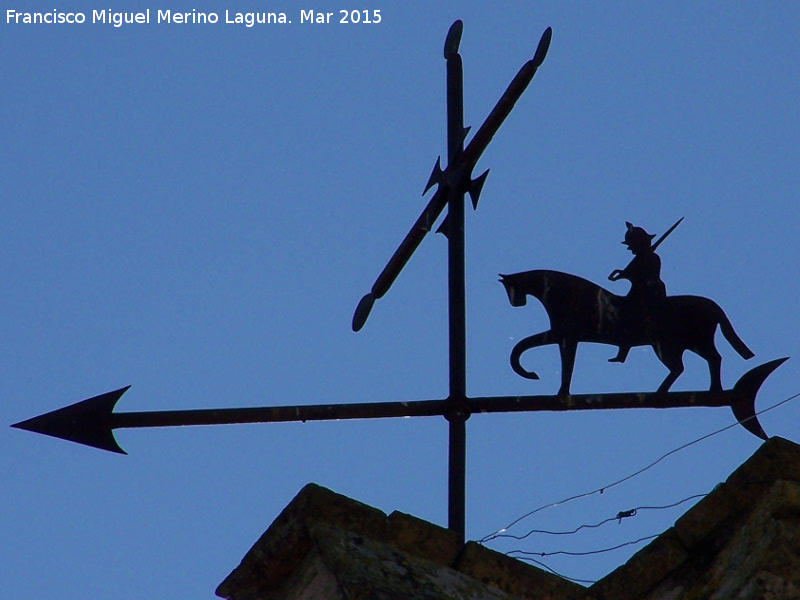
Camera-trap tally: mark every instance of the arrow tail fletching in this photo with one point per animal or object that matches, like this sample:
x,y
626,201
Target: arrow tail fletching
x,y
745,410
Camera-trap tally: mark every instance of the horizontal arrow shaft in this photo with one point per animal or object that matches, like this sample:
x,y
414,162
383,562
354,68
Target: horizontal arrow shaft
x,y
424,408
91,422
417,408
491,404
278,414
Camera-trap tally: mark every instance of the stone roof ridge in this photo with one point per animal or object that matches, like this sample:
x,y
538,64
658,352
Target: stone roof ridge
x,y
700,536
317,510
741,541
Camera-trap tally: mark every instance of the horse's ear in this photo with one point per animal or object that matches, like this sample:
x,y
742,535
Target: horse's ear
x,y
629,225
502,278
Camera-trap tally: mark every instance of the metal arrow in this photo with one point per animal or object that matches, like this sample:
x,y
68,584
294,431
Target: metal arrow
x,y
92,422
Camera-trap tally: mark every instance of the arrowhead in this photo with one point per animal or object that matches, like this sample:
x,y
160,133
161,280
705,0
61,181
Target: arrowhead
x,y
436,175
87,422
475,188
444,228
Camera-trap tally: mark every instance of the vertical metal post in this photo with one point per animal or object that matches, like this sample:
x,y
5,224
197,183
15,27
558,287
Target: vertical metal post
x,y
457,413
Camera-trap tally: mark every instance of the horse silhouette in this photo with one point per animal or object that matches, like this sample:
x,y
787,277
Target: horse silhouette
x,y
581,311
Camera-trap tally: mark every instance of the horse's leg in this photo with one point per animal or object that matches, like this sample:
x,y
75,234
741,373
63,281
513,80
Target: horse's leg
x,y
568,350
532,341
673,360
714,360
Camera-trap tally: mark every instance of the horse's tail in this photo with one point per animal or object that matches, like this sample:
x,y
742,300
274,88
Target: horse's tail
x,y
733,339
520,347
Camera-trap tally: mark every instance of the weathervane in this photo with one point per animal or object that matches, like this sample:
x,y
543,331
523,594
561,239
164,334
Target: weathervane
x,y
579,311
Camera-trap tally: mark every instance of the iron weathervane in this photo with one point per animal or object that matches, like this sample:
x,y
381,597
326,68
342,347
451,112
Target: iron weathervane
x,y
92,422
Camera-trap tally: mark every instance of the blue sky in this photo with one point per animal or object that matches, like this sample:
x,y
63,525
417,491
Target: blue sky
x,y
195,210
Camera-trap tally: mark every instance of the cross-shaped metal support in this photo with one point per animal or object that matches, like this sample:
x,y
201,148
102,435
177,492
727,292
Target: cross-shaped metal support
x,y
453,184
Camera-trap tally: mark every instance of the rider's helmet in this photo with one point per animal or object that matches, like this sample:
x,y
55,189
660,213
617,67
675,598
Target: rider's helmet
x,y
636,238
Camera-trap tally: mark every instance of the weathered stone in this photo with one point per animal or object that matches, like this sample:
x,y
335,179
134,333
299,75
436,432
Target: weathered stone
x,y
286,543
644,570
422,539
370,570
766,586
758,548
515,577
776,459
767,542
706,515
311,580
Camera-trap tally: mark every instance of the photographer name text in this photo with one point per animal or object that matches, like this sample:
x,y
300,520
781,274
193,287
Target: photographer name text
x,y
194,17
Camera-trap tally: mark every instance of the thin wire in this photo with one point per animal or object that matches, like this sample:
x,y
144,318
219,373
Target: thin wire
x,y
528,556
620,515
674,504
494,535
544,532
588,552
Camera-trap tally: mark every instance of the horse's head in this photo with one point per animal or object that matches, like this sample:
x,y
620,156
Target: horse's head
x,y
515,296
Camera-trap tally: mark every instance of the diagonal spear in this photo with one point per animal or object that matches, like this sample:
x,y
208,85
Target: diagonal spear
x,y
457,174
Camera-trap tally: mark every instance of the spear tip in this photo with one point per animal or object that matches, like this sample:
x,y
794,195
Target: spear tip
x,y
453,40
543,47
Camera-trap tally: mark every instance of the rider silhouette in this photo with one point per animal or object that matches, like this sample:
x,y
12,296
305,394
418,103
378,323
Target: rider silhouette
x,y
647,290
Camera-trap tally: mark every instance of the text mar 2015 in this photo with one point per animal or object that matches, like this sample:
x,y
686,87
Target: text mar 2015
x,y
194,17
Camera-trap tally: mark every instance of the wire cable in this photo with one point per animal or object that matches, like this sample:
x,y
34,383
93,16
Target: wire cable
x,y
600,490
586,553
620,515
